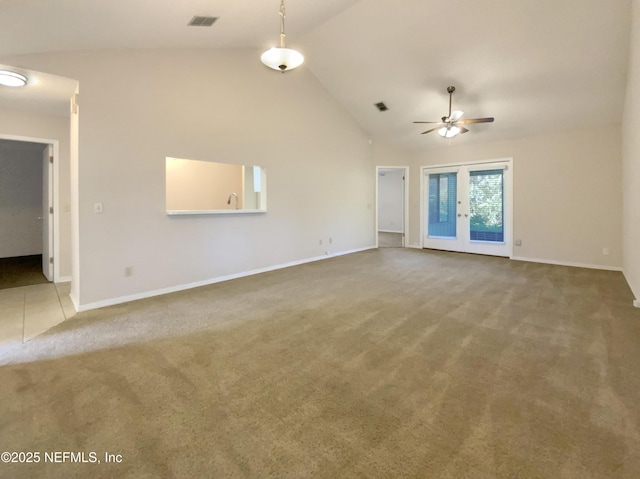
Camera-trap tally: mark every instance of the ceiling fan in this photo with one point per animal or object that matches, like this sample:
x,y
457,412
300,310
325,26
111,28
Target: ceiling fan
x,y
452,125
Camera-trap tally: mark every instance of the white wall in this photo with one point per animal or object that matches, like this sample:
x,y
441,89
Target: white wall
x,y
631,159
567,192
391,201
228,107
20,200
15,123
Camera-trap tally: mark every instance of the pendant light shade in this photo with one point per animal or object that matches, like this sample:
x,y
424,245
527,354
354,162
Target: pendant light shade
x,y
449,131
9,78
282,58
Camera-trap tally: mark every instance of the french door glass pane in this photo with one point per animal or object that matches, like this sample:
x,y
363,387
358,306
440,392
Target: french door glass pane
x,y
442,205
486,205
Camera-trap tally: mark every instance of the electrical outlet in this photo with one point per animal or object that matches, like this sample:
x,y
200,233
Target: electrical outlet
x,y
518,242
330,240
97,208
605,251
320,242
128,271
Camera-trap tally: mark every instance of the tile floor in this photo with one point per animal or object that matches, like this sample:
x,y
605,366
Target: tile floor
x,y
389,240
28,311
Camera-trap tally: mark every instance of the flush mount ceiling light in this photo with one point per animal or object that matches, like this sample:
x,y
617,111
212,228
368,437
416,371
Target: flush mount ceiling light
x,y
281,58
9,78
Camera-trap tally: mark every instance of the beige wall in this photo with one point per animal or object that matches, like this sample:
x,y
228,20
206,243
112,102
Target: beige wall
x,y
567,192
631,160
24,124
226,106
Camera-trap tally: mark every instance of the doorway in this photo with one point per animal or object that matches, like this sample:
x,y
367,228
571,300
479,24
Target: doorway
x,y
468,208
391,206
27,219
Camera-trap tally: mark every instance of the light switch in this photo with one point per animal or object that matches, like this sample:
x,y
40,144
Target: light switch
x,y
97,208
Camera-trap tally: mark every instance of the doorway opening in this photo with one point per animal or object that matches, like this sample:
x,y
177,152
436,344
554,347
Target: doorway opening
x,y
391,206
27,213
469,207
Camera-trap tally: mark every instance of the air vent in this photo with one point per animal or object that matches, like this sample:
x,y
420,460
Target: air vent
x,y
202,21
381,106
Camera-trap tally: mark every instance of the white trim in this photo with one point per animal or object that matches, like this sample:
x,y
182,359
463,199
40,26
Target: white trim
x,y
567,263
421,208
75,302
415,246
389,231
213,212
441,169
63,279
469,163
636,303
197,284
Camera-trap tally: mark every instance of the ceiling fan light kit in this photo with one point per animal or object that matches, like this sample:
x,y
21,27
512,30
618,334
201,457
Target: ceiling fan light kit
x,y
282,58
13,79
449,131
450,125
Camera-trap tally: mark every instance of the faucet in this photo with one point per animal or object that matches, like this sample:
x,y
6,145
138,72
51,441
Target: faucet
x,y
229,199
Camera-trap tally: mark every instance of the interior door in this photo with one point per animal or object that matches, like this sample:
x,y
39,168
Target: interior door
x,y
468,208
47,212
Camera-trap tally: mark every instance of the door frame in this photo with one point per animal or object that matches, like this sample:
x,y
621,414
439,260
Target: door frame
x,y
47,212
405,203
54,196
508,194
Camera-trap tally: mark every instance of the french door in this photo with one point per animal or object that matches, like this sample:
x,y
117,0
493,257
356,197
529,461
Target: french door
x,y
468,208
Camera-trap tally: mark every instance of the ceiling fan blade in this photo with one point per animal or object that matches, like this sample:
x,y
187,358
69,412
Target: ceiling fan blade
x,y
462,130
429,131
426,122
475,120
456,115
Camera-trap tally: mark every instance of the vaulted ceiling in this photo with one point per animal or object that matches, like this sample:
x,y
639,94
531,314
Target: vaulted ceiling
x,y
536,66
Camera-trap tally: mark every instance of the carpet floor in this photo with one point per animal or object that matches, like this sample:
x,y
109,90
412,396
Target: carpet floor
x,y
381,364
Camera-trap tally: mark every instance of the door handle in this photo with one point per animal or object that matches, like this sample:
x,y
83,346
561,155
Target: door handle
x,y
459,215
466,216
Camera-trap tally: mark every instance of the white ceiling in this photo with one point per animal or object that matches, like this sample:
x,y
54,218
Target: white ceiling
x,y
535,65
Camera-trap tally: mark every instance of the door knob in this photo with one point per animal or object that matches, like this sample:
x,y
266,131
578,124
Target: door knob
x,y
466,216
459,215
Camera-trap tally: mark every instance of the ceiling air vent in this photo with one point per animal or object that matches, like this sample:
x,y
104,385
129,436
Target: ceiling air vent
x,y
202,21
381,106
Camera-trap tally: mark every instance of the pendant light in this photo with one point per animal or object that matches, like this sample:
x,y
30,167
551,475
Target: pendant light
x,y
9,78
281,58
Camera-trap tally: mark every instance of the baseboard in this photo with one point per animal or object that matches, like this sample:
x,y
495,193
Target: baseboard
x,y
390,231
63,279
198,284
414,246
567,263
